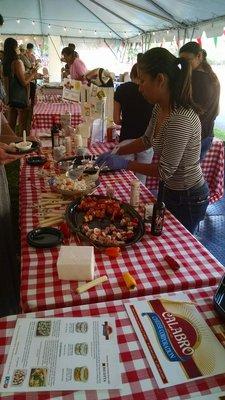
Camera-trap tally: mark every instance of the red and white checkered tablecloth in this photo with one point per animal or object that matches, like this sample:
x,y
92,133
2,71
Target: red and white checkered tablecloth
x,y
43,113
213,170
137,377
41,289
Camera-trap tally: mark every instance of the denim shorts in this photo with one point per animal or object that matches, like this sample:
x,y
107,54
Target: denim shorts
x,y
188,206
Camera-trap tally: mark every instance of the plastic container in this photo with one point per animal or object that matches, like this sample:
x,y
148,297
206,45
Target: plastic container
x,y
78,142
148,212
110,192
135,193
65,119
68,145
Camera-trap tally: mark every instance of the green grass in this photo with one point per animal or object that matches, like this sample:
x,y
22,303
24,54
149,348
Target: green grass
x,y
219,133
12,172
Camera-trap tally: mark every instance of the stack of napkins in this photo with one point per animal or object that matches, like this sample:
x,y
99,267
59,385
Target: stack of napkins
x,y
76,263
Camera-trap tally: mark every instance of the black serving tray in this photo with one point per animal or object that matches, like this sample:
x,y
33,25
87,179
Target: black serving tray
x,y
36,160
45,237
75,220
219,298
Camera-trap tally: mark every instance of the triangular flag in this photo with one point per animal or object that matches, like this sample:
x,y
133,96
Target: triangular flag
x,y
199,40
215,40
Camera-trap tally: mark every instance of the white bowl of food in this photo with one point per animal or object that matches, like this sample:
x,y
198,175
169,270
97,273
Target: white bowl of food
x,y
23,146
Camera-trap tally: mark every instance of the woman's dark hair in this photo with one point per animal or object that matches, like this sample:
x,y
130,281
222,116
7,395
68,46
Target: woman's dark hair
x,y
1,20
68,51
30,46
134,72
139,55
195,48
159,60
191,47
10,55
72,45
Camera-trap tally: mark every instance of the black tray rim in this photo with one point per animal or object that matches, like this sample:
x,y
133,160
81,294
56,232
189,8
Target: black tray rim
x,y
54,231
42,160
87,157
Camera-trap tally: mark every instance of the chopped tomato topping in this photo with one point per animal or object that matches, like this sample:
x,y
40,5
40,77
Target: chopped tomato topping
x,y
113,251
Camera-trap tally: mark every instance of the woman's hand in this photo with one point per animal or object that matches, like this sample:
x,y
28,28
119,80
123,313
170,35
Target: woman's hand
x,y
112,161
102,158
6,158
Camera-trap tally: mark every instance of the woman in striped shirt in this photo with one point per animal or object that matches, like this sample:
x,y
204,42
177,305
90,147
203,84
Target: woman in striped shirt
x,y
174,132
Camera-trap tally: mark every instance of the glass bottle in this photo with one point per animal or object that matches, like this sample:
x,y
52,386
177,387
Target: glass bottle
x,y
54,133
158,213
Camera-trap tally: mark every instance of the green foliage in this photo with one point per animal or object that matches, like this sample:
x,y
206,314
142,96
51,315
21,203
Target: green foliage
x,y
219,133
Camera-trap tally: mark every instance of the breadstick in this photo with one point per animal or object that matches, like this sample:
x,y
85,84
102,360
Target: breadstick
x,y
56,213
91,284
54,205
57,201
48,218
51,223
50,195
167,300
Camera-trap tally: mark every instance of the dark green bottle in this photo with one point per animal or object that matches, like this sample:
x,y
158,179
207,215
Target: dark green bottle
x,y
158,213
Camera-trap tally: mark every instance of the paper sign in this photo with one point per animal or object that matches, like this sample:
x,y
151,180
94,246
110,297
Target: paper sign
x,y
62,354
177,342
71,89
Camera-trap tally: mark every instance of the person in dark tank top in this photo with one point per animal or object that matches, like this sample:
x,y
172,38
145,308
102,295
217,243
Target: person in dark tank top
x,y
133,113
205,91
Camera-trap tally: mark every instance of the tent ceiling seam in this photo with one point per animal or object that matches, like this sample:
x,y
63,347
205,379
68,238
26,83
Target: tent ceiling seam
x,y
99,19
40,14
144,10
116,15
160,8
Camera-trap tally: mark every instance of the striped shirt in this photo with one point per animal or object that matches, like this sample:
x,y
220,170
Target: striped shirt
x,y
178,145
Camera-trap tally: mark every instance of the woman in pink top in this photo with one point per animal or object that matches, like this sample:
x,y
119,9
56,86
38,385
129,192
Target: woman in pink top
x,y
77,66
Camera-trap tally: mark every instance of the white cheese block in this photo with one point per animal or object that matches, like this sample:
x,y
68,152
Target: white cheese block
x,y
76,263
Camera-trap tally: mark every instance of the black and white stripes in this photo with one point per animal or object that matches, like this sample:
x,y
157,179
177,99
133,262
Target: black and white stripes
x,y
178,144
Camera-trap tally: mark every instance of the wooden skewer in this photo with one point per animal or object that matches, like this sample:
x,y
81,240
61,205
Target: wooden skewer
x,y
91,284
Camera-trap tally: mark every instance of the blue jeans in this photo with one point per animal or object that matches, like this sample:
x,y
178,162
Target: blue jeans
x,y
188,206
205,146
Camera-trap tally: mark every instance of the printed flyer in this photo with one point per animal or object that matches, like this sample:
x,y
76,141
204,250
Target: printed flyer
x,y
177,342
62,354
71,89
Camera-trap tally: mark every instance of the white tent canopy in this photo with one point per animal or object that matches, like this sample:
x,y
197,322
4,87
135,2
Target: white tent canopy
x,y
119,19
